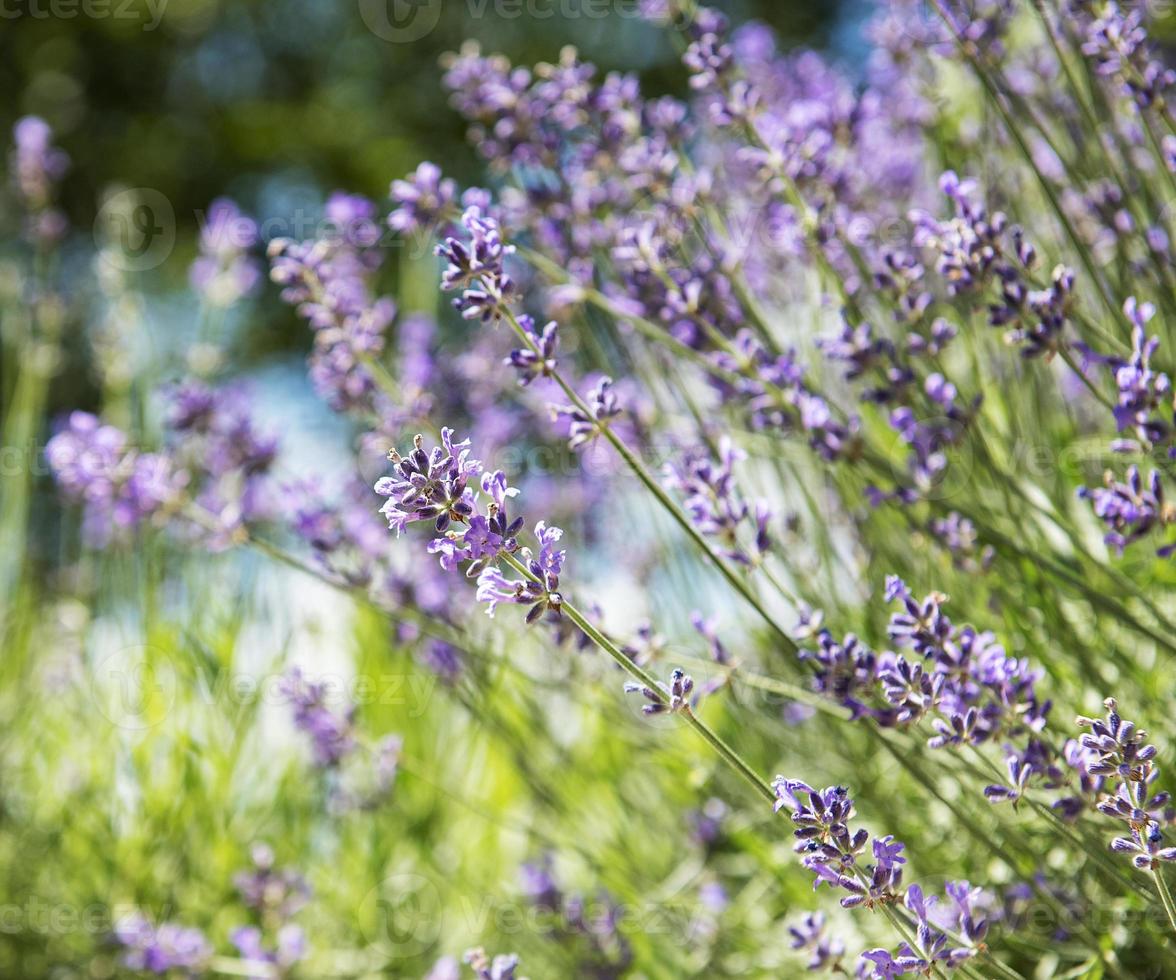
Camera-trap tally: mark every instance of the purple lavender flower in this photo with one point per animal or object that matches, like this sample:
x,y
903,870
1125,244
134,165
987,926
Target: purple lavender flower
x,y
352,217
845,672
977,253
117,487
435,487
540,591
1131,509
668,698
965,912
707,823
586,928
584,427
1121,755
289,948
541,362
961,679
825,951
216,423
1020,773
212,434
1144,405
269,889
162,949
958,535
477,267
923,626
881,964
224,273
1116,42
37,165
708,630
931,944
832,851
347,538
331,732
423,200
714,503
329,283
502,967
443,659
430,486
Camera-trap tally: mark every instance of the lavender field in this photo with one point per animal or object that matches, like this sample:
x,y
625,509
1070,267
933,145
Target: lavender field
x,y
720,527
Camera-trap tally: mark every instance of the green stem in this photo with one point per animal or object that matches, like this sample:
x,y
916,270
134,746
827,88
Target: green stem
x,y
728,754
1165,896
658,491
381,376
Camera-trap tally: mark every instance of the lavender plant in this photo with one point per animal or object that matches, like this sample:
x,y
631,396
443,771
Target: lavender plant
x,y
731,371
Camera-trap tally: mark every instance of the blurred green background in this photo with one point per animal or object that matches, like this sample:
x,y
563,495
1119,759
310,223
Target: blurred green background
x,y
276,103
275,100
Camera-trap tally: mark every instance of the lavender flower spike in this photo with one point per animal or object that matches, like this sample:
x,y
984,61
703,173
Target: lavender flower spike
x,y
824,951
224,273
477,267
474,528
714,503
37,165
602,407
166,949
500,968
423,198
540,362
1132,509
430,486
671,698
331,733
117,487
1121,755
540,591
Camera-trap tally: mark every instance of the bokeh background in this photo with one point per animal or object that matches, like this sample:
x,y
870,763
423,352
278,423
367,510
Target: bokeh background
x,y
275,103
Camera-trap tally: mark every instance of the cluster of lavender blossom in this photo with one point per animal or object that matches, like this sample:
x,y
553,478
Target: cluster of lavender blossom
x,y
36,167
947,936
1114,758
329,281
269,948
974,694
974,253
715,505
501,967
225,271
361,775
959,679
471,527
117,486
586,926
211,476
